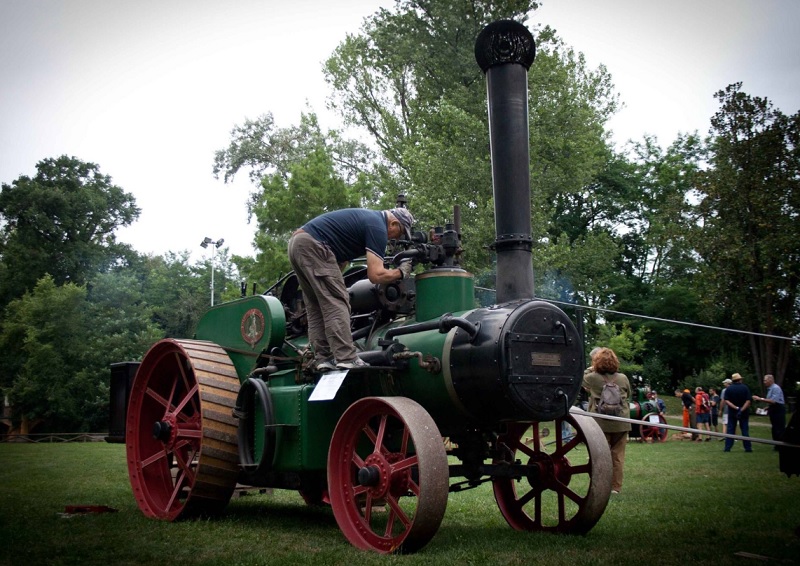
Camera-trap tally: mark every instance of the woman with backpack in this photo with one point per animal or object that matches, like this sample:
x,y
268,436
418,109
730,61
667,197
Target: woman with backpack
x,y
609,392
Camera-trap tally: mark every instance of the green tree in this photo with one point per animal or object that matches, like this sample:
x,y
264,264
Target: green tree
x,y
58,343
749,208
300,172
45,334
176,292
121,321
410,81
62,222
628,345
658,262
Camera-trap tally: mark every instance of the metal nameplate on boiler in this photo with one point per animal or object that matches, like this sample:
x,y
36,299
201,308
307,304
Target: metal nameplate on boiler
x,y
546,359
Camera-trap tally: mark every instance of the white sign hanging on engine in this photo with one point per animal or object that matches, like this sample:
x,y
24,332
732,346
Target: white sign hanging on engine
x,y
327,386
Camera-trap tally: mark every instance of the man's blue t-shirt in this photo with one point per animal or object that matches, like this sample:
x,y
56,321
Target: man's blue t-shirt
x,y
350,231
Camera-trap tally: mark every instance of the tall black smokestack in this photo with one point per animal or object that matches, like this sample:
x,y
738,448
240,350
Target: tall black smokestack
x,y
505,51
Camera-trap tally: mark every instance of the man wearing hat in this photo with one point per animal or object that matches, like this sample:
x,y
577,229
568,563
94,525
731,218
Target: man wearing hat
x,y
738,399
723,405
319,250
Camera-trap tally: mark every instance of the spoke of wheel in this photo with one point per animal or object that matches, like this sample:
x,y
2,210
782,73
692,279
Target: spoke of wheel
x,y
581,469
189,432
368,508
530,451
158,398
397,512
161,454
537,509
404,443
377,438
186,381
562,449
563,490
357,461
166,403
405,464
184,464
176,490
525,499
171,395
186,398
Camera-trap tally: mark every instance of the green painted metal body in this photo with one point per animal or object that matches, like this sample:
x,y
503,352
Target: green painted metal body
x,y
432,391
244,328
303,429
443,291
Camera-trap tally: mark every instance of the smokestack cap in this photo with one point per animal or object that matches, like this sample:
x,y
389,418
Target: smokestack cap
x,y
504,41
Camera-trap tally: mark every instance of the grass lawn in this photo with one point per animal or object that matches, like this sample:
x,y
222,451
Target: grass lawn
x,y
682,503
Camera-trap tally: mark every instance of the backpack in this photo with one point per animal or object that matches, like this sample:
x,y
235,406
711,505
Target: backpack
x,y
610,402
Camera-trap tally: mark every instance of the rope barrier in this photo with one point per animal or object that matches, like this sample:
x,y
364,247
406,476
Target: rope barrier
x,y
577,411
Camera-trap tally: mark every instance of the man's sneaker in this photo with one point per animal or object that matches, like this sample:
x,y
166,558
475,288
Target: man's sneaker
x,y
326,365
357,363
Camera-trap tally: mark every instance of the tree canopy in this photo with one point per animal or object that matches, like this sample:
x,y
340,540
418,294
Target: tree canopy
x,y
748,214
60,222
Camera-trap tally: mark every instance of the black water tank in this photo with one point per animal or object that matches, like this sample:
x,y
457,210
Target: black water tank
x,y
122,375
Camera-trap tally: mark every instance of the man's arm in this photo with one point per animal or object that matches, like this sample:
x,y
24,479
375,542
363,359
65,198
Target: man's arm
x,y
377,273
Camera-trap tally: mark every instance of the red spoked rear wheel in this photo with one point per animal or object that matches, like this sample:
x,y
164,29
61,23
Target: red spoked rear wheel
x,y
568,481
180,433
388,475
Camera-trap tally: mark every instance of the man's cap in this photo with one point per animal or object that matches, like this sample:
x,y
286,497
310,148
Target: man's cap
x,y
405,219
736,377
686,391
726,382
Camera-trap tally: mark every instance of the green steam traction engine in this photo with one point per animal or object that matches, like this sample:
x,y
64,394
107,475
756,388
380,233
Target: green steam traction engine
x,y
452,390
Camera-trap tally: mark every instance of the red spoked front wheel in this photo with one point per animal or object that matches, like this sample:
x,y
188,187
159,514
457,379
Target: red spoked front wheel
x,y
180,434
388,475
567,482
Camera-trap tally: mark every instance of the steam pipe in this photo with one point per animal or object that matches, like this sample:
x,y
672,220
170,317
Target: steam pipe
x,y
505,51
444,324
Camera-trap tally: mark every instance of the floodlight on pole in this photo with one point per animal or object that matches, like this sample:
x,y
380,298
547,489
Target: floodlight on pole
x,y
215,246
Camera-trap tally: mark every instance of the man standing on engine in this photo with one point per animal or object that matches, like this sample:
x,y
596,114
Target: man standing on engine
x,y
319,250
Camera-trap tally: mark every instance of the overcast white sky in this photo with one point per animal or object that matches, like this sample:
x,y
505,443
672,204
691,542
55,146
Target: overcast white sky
x,y
149,89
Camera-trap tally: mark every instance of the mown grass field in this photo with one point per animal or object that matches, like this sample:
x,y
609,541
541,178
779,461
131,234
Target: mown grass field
x,y
682,503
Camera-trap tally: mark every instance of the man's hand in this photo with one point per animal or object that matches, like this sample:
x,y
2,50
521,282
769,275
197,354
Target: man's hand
x,y
405,268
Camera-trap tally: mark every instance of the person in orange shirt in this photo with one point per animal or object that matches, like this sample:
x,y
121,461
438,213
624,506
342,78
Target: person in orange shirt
x,y
688,410
703,409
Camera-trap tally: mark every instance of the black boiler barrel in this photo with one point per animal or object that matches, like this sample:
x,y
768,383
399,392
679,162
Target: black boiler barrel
x,y
505,51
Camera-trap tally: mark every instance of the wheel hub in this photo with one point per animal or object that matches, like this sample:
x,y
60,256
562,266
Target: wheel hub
x,y
161,431
547,470
166,430
376,472
369,476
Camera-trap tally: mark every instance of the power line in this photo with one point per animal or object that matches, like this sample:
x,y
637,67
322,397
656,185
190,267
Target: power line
x,y
655,318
